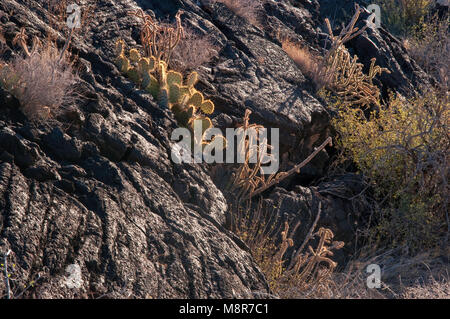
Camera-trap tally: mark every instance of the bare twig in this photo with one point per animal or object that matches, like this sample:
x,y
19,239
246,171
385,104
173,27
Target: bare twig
x,y
295,169
6,275
31,284
66,45
307,238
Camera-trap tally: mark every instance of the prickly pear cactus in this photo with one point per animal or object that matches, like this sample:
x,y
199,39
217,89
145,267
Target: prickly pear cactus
x,y
133,75
167,87
135,56
207,107
192,79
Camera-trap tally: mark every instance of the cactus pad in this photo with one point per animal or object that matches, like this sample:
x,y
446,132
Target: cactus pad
x,y
196,99
133,75
192,79
174,78
174,93
123,63
207,107
134,55
153,86
120,47
163,97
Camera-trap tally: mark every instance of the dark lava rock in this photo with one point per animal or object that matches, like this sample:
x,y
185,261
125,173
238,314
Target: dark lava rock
x,y
92,201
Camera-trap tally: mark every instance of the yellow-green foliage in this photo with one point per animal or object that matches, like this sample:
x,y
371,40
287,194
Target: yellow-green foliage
x,y
429,46
403,149
400,16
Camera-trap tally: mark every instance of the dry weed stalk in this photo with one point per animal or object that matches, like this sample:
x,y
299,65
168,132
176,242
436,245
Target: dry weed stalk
x,y
15,285
276,178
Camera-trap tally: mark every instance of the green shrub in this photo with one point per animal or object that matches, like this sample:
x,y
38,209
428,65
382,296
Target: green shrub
x,y
403,149
401,16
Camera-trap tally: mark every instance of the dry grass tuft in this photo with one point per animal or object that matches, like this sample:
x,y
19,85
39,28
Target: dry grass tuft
x,y
42,82
402,277
434,289
309,63
248,9
193,51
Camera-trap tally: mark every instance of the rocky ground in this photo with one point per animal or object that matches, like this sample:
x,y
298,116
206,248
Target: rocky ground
x,y
96,186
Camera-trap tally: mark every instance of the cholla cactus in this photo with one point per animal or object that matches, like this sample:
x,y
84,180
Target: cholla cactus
x,y
321,254
159,40
349,81
343,74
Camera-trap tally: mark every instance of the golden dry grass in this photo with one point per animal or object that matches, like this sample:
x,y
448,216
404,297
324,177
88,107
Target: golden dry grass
x,y
309,63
